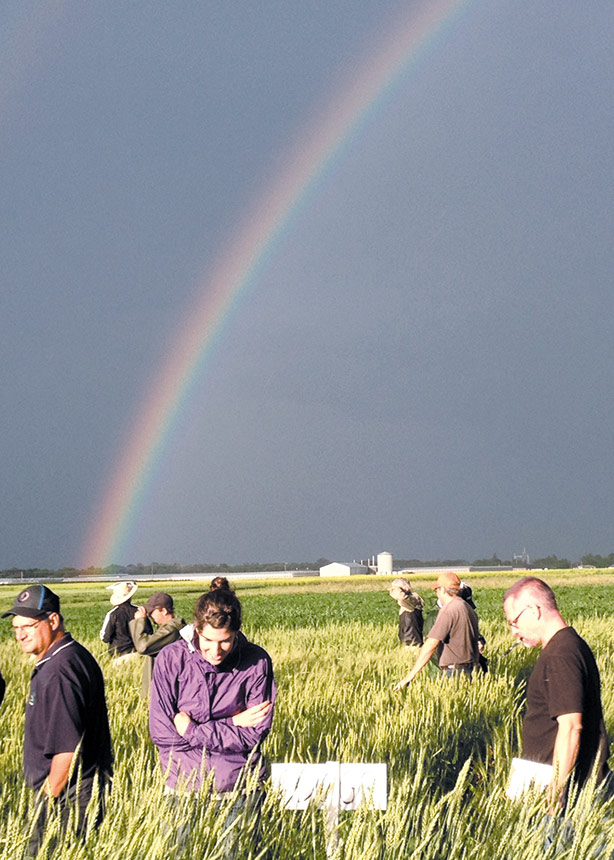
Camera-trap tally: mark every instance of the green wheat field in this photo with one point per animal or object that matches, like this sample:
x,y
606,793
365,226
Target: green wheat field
x,y
447,743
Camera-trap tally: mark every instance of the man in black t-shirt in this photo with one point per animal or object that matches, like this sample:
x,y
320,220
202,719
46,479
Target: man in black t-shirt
x,y
563,724
67,744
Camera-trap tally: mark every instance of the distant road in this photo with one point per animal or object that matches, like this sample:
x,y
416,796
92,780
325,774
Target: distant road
x,y
196,576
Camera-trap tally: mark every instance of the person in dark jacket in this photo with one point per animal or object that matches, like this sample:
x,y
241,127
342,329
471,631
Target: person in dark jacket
x,y
466,592
160,607
115,630
212,698
411,621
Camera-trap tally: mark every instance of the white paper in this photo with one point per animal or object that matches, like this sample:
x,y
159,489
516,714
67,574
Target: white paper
x,y
528,775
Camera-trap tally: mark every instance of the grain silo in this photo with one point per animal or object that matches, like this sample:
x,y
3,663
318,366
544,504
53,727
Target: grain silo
x,y
384,563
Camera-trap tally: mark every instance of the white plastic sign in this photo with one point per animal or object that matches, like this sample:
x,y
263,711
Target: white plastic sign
x,y
335,785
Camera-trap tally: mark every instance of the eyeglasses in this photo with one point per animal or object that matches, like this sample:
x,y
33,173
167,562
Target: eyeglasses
x,y
514,621
32,626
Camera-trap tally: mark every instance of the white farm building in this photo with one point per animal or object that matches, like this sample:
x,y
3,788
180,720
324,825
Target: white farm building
x,y
342,568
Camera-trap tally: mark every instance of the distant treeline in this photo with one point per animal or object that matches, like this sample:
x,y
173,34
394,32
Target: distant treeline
x,y
160,569
551,561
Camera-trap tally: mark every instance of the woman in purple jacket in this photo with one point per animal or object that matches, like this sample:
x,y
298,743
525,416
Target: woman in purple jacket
x,y
212,697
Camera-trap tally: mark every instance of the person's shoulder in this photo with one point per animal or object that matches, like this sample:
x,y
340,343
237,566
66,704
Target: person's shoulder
x,y
175,624
172,659
417,602
568,642
174,653
450,608
563,639
472,611
79,652
463,607
252,653
258,649
73,662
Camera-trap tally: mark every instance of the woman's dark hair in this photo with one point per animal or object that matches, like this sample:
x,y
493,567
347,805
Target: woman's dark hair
x,y
219,582
219,608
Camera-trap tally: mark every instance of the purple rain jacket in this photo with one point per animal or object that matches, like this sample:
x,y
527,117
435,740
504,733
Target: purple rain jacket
x,y
184,681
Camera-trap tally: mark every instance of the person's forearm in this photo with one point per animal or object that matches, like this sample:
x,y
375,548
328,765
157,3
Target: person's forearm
x,y
424,655
163,705
223,734
58,773
149,644
566,746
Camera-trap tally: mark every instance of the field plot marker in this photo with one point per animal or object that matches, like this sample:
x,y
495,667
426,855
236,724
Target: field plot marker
x,y
334,786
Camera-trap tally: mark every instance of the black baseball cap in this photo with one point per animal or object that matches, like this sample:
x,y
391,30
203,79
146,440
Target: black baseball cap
x,y
37,601
160,600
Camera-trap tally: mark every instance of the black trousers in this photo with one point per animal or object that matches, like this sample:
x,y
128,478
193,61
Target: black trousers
x,y
73,801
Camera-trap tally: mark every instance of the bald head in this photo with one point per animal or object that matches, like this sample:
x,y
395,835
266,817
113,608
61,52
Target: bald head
x,y
533,589
531,611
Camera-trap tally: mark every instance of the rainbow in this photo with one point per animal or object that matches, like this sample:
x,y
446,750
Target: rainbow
x,y
240,265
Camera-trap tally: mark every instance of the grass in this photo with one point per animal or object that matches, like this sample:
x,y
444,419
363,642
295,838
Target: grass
x,y
447,744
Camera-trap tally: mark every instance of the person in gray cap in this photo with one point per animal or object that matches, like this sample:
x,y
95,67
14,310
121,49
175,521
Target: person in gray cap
x,y
148,642
67,743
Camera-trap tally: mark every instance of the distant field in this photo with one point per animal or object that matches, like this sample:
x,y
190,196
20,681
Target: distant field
x,y
447,744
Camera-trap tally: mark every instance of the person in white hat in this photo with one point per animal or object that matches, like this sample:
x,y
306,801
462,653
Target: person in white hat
x,y
115,630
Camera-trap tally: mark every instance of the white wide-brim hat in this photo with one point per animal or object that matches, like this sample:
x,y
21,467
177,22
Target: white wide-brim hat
x,y
122,591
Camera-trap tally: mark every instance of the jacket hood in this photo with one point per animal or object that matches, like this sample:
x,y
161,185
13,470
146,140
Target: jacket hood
x,y
187,633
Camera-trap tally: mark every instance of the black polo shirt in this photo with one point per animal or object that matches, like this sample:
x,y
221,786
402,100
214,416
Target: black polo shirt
x,y
66,706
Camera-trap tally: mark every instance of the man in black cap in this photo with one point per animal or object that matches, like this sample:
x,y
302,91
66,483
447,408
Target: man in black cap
x,y
161,609
67,744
